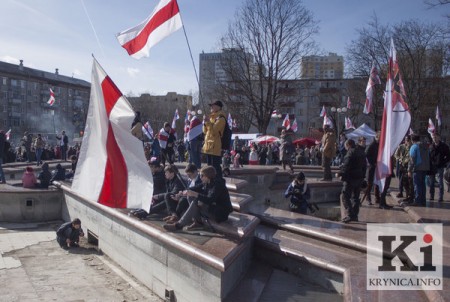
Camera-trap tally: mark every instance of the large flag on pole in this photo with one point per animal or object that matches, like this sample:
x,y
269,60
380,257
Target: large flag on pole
x,y
323,112
294,126
51,99
286,122
112,169
8,134
438,116
327,121
348,124
147,130
431,128
164,20
373,80
396,119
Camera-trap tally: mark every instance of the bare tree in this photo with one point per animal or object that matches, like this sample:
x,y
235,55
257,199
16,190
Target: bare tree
x,y
423,53
264,44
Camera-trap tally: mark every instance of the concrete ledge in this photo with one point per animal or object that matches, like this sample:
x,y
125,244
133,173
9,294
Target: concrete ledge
x,y
235,184
198,268
238,225
29,205
240,202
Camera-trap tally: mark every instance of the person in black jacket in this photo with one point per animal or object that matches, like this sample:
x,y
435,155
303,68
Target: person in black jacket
x,y
439,157
44,177
168,200
59,173
69,233
371,155
352,174
212,201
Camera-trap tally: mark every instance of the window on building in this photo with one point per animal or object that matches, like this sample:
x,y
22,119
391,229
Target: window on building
x,y
4,81
13,82
23,84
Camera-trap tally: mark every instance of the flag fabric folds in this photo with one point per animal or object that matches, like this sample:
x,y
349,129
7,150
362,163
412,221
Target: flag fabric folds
x,y
323,112
112,169
147,130
395,122
373,80
286,122
51,99
195,128
176,117
163,21
431,128
230,121
327,121
438,116
348,124
294,126
349,103
8,134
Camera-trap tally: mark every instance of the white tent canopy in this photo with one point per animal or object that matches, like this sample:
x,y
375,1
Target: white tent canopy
x,y
362,130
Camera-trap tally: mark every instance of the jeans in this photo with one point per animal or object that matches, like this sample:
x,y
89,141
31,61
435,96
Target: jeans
x,y
326,164
64,152
2,174
440,173
419,187
38,155
194,152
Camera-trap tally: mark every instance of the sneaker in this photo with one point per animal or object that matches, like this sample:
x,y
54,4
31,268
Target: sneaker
x,y
170,217
171,227
195,225
346,219
399,195
385,207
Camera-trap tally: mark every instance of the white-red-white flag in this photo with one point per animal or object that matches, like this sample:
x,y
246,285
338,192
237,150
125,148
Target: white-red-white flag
x,y
176,117
327,121
51,99
349,103
286,122
294,126
230,121
274,114
431,128
164,20
195,128
348,124
112,169
323,112
373,80
147,130
8,134
438,116
396,120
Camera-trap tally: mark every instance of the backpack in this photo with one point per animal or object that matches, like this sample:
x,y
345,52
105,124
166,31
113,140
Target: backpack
x,y
226,136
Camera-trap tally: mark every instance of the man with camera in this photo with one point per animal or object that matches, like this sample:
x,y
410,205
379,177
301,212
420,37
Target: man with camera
x,y
299,194
352,173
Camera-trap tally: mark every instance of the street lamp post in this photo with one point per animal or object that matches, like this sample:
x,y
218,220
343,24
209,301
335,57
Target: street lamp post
x,y
337,112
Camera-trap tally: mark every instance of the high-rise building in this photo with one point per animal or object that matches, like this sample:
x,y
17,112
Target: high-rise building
x,y
322,67
24,93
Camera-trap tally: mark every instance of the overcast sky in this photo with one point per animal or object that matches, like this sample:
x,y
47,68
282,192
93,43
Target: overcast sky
x,y
49,34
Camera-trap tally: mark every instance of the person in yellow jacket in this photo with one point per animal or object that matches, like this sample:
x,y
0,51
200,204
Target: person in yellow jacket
x,y
213,128
328,152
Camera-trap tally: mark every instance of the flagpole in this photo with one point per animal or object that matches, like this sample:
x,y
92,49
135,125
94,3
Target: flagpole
x,y
200,96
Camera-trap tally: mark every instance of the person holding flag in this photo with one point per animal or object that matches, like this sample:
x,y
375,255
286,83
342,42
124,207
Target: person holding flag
x,y
195,138
167,141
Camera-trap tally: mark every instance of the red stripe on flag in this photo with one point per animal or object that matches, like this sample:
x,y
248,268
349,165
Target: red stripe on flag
x,y
115,183
110,94
163,15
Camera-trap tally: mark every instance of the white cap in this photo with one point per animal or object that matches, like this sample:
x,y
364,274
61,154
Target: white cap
x,y
193,112
199,112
